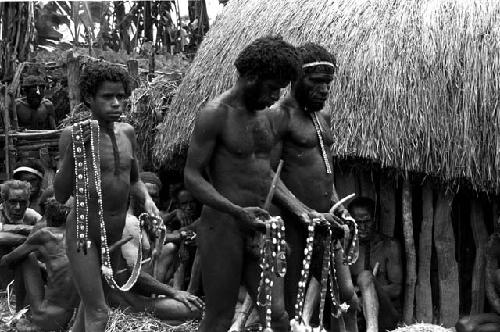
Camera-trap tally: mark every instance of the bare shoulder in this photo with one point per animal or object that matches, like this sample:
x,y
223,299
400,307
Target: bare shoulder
x,y
126,128
46,102
392,246
41,236
211,116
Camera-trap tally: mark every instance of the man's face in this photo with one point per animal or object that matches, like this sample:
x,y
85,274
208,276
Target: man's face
x,y
34,181
107,104
154,192
263,93
17,203
34,95
312,89
188,204
365,222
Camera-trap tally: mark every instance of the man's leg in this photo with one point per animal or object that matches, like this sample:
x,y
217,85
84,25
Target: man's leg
x,y
369,300
347,294
221,254
295,238
311,301
86,272
279,315
388,316
162,308
195,280
166,259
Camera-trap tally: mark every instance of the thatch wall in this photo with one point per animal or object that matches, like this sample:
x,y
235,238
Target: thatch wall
x,y
417,89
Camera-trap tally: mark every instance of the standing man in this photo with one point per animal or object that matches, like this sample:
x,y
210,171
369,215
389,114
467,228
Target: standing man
x,y
232,140
308,165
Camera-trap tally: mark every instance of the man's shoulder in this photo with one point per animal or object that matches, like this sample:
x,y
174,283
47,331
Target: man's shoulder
x,y
124,127
21,101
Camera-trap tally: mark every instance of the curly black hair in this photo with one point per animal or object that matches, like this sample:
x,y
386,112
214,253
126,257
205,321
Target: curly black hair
x,y
269,58
95,73
311,52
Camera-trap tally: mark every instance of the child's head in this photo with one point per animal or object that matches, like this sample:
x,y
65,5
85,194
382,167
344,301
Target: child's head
x,y
104,88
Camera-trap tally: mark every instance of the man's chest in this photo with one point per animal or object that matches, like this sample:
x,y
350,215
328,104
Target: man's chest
x,y
108,151
247,136
309,131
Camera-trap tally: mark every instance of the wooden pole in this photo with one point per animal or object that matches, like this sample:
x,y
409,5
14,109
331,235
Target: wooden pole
x,y
480,239
6,122
387,204
73,80
444,242
133,71
410,253
423,290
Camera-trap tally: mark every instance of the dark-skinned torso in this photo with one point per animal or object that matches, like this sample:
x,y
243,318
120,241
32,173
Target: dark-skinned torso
x,y
304,171
60,290
115,187
239,167
379,251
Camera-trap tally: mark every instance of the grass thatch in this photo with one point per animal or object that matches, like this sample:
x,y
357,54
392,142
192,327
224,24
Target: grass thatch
x,y
148,104
417,88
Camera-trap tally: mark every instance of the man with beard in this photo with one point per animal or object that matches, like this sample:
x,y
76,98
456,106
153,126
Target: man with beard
x,y
308,168
378,273
34,111
232,143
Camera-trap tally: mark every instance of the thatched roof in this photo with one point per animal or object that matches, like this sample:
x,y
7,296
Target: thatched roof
x,y
417,89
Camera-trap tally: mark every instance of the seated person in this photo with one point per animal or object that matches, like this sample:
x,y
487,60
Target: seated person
x,y
174,256
53,301
487,322
33,110
16,222
378,272
31,171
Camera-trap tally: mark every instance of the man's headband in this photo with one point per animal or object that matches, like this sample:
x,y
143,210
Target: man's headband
x,y
29,170
318,63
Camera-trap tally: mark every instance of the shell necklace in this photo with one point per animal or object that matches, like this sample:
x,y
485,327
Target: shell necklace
x,y
317,127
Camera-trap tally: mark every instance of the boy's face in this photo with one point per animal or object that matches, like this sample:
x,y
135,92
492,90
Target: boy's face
x,y
107,104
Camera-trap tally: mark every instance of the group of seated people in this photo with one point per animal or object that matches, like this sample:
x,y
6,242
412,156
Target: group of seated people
x,y
33,253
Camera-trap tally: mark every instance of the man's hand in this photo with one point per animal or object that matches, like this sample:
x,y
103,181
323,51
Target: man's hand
x,y
250,219
191,301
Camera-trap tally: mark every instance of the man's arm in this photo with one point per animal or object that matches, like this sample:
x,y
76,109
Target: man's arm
x,y
201,148
65,175
30,245
394,270
51,114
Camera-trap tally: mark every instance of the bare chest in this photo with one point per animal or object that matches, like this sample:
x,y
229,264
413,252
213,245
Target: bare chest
x,y
107,154
305,134
246,137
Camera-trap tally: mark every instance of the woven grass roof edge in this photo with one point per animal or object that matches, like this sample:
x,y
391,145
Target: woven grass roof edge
x,y
417,87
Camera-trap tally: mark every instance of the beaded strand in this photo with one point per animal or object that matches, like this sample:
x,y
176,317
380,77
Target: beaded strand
x,y
317,127
299,305
272,263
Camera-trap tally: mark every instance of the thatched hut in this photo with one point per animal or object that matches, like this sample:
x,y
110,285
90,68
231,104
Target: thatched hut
x,y
414,114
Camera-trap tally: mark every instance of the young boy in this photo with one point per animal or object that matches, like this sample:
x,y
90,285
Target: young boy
x,y
104,88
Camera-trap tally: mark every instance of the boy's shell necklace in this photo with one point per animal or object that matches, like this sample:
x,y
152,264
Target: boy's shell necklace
x,y
82,183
